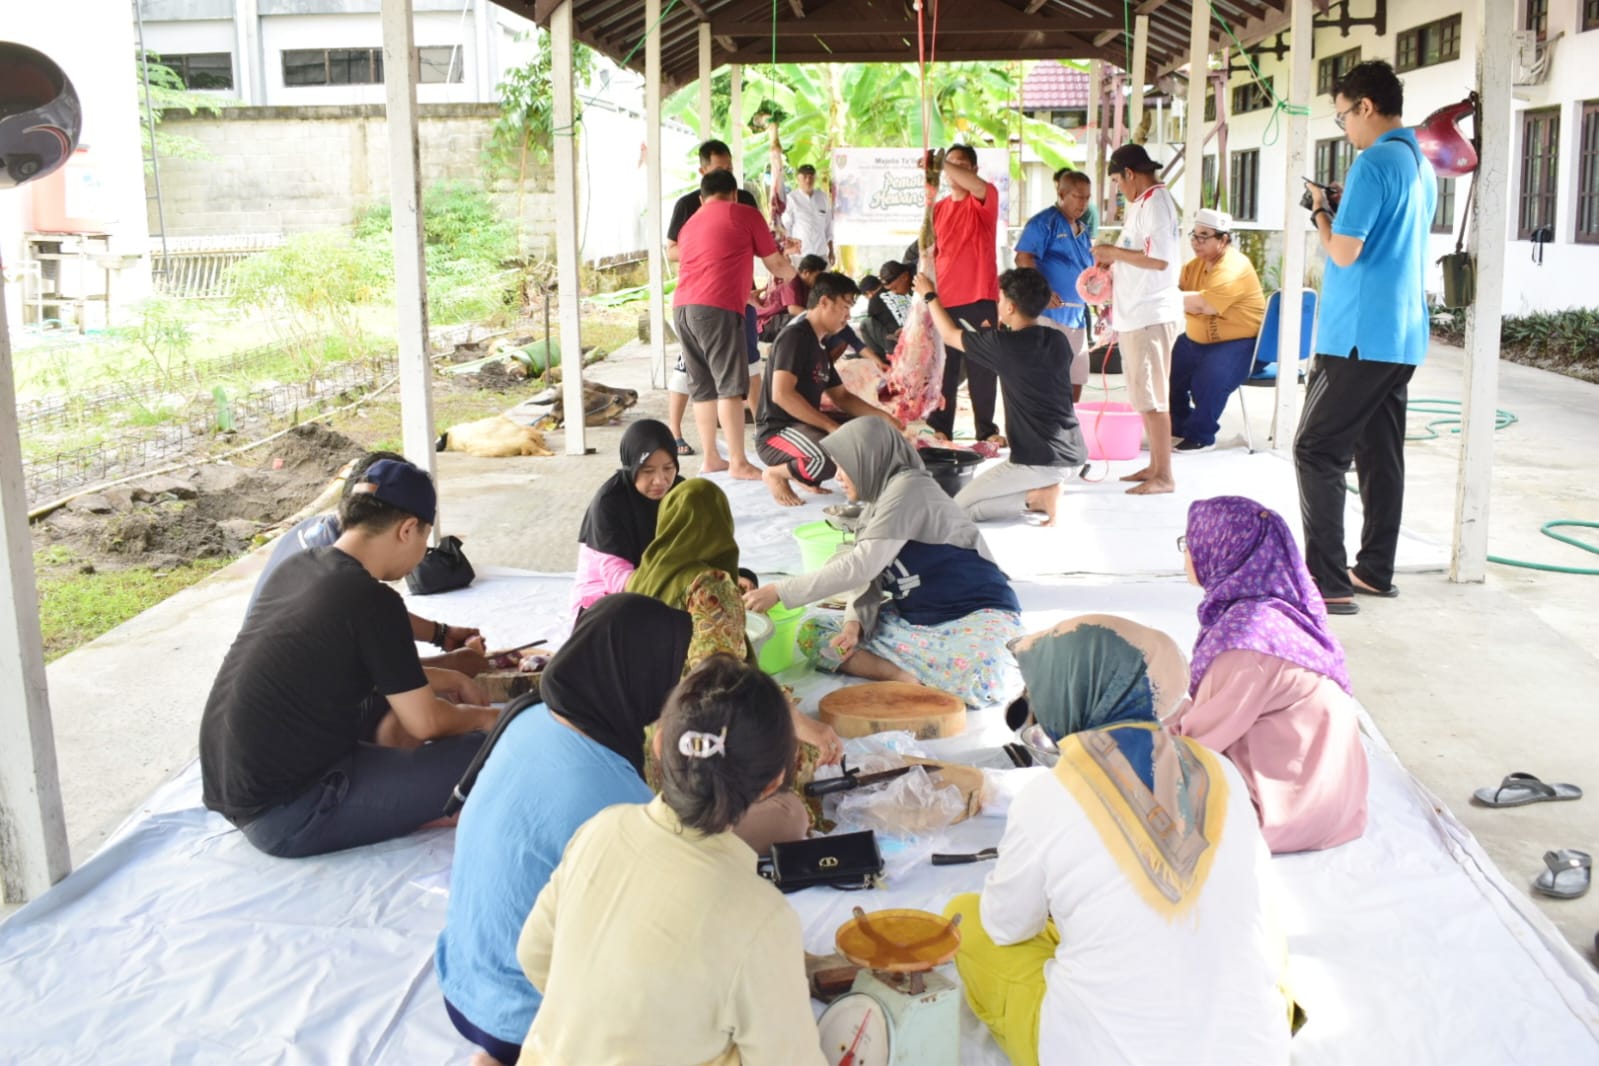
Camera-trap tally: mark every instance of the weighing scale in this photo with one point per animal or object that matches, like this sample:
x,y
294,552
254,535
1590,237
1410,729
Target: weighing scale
x,y
898,1012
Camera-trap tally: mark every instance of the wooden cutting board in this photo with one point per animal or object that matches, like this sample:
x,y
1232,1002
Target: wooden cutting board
x,y
882,706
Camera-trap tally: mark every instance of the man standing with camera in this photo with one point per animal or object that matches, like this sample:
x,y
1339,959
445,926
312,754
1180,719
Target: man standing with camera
x,y
1372,334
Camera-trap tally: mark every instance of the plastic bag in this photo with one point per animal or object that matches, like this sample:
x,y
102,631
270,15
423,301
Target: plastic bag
x,y
910,805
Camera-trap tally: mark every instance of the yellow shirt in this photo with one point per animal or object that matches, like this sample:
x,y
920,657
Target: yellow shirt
x,y
654,944
1233,289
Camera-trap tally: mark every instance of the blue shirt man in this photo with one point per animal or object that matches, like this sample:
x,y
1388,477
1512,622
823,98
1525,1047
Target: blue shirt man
x,y
1378,303
1058,242
1372,334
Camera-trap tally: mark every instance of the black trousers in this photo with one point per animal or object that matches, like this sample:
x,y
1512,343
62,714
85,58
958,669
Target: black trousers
x,y
982,384
1354,412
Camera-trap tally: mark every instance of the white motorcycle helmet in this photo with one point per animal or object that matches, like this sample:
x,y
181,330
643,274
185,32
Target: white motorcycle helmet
x,y
40,117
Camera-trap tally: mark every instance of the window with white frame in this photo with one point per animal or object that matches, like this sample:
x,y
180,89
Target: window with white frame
x,y
1443,216
1428,44
441,64
1331,70
1588,175
1244,185
200,70
1540,155
332,66
1334,156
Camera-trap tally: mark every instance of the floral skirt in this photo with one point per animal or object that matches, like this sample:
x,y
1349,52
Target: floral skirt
x,y
967,657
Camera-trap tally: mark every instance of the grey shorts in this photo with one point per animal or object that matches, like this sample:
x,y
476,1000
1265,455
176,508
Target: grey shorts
x,y
1077,337
714,352
372,794
1146,362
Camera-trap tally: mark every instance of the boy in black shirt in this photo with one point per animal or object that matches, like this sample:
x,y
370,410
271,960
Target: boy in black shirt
x,y
315,736
1034,365
799,372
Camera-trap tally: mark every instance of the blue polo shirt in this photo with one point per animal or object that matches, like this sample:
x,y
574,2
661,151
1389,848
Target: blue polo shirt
x,y
1061,256
1378,303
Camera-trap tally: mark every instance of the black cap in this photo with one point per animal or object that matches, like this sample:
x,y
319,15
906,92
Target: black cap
x,y
871,283
1017,713
402,485
1132,157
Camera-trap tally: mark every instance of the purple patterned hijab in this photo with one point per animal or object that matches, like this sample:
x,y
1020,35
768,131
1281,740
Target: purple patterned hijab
x,y
1258,594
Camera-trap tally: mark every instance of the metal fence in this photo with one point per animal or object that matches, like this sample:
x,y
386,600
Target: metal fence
x,y
199,268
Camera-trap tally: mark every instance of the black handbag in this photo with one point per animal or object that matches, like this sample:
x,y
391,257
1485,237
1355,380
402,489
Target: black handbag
x,y
444,568
847,861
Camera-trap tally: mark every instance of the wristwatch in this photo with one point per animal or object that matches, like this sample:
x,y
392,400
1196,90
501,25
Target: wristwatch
x,y
929,297
441,634
1321,211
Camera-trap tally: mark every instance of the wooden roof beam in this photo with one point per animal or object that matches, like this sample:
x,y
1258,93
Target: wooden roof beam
x,y
950,27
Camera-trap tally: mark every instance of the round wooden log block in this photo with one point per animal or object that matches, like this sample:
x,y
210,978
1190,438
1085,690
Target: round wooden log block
x,y
885,706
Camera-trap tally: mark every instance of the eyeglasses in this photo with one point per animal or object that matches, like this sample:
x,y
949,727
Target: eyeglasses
x,y
1340,117
1182,544
1198,236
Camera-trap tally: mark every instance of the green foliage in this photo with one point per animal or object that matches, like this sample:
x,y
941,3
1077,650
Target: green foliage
x,y
76,607
159,329
321,278
822,106
1559,338
167,92
526,126
468,247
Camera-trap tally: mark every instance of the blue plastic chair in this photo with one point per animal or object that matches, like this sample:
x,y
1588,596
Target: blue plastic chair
x,y
1263,372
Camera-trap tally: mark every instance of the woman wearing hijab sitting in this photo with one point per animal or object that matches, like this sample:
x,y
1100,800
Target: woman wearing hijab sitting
x,y
1270,688
692,564
655,940
1127,917
620,521
953,609
550,769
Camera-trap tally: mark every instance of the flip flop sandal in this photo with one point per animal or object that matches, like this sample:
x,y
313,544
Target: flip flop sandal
x,y
1387,594
1335,607
1519,789
683,447
1568,876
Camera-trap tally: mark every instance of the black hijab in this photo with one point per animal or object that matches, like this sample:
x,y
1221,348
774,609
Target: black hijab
x,y
613,674
620,520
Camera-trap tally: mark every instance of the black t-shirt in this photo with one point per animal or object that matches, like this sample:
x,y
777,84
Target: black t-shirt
x,y
799,352
1035,367
878,311
689,203
304,681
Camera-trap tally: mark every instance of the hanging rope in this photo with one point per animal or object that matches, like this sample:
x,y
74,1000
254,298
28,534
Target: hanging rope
x,y
570,130
1280,106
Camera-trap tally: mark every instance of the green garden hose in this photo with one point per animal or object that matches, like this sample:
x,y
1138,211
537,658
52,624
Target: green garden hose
x,y
1449,410
1545,529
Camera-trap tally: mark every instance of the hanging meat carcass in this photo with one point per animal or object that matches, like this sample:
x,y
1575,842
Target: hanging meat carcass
x,y
916,378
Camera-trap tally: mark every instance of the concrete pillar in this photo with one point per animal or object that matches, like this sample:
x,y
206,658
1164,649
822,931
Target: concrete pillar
x,y
33,828
652,183
735,120
1135,110
1468,558
410,260
706,128
1297,145
249,80
484,66
569,283
1194,126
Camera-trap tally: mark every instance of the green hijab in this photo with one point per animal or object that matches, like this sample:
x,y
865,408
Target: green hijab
x,y
693,534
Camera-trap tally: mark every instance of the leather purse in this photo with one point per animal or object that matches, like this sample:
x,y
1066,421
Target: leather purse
x,y
847,861
444,568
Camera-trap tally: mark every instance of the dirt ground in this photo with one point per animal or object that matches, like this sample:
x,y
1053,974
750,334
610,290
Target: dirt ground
x,y
205,511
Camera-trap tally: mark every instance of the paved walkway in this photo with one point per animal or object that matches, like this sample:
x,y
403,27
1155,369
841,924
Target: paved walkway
x,y
1467,682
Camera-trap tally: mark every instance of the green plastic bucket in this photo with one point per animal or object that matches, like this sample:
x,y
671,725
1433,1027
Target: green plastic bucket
x,y
778,652
818,542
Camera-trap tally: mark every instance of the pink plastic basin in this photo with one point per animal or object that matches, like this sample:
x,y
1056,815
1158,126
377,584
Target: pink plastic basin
x,y
1111,430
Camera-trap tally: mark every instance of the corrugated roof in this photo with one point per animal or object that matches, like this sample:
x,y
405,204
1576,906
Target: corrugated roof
x,y
1055,87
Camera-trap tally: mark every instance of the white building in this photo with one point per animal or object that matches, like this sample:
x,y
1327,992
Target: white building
x,y
1432,44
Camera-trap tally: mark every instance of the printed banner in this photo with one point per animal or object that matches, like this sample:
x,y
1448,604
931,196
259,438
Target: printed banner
x,y
879,198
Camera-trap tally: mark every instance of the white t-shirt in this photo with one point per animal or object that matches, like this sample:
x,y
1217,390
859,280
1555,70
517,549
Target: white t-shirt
x,y
1141,297
1126,985
809,220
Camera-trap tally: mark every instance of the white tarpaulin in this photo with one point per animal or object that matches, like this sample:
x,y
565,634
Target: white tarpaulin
x,y
179,943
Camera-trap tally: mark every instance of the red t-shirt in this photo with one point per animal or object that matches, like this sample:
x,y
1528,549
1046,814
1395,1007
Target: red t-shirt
x,y
791,293
964,256
716,253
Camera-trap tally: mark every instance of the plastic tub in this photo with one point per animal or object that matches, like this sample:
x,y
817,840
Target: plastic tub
x,y
1111,430
777,651
818,542
952,468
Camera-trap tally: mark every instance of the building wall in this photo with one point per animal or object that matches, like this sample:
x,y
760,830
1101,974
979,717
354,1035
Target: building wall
x,y
100,66
1564,279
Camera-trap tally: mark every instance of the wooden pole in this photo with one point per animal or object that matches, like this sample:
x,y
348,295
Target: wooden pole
x,y
33,826
1468,558
1095,144
567,255
1194,123
652,183
1135,110
706,131
410,258
735,120
1297,128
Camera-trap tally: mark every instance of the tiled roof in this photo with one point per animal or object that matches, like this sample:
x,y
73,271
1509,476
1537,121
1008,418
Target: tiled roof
x,y
1050,86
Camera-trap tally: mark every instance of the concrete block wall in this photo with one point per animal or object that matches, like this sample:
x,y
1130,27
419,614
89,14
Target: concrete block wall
x,y
292,169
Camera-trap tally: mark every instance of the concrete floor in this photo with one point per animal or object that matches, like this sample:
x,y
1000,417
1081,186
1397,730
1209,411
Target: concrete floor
x,y
1468,682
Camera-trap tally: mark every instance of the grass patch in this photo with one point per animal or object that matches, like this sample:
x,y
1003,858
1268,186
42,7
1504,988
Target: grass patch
x,y
76,607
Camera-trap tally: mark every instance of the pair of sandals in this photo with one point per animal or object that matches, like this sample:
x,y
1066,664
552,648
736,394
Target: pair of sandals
x,y
1349,606
1569,872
